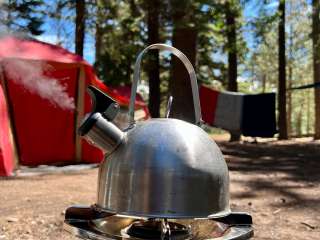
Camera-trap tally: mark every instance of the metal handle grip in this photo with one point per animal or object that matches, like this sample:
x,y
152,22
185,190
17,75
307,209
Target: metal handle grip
x,y
187,64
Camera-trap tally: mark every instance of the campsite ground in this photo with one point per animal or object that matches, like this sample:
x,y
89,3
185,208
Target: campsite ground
x,y
277,182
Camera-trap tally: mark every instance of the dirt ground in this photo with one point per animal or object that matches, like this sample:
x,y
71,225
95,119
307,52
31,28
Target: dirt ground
x,y
277,182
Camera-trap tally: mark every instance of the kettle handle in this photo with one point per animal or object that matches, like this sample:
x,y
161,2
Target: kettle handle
x,y
187,64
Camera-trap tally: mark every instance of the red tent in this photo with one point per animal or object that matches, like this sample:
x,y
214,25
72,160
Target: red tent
x,y
42,101
6,147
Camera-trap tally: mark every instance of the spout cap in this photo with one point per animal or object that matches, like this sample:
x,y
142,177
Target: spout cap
x,y
102,103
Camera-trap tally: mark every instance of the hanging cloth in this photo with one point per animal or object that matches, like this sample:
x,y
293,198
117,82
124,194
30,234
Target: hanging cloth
x,y
258,115
208,102
229,111
247,114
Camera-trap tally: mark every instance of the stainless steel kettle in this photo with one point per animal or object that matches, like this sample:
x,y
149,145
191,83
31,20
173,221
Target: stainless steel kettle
x,y
159,168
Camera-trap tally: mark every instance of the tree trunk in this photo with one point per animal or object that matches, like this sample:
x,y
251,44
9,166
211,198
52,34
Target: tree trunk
x,y
232,56
80,27
290,78
282,118
153,66
98,46
264,83
308,112
98,36
184,37
289,118
316,62
232,49
299,122
182,107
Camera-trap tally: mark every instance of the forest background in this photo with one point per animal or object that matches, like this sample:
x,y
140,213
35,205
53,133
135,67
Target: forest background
x,y
250,46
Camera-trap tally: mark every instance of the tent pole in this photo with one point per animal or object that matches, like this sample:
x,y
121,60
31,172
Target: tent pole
x,y
79,111
12,136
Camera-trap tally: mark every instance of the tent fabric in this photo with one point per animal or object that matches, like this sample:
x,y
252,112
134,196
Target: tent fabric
x,y
122,95
31,49
125,91
6,147
45,133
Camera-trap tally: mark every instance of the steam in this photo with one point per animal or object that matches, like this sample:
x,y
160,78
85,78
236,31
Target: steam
x,y
31,76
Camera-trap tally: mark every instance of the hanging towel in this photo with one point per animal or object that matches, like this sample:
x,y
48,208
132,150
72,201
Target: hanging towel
x,y
259,119
208,102
248,114
228,114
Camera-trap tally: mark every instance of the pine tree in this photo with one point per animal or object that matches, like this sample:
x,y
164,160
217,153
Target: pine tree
x,y
316,62
184,37
22,16
231,15
282,118
80,26
231,25
153,67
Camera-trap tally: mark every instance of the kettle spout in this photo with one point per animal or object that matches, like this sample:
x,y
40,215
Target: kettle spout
x,y
101,133
97,127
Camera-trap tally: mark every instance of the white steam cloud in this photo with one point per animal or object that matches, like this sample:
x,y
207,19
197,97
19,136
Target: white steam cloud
x,y
31,76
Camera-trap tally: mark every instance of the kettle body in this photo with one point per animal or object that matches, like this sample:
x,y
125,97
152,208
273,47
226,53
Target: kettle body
x,y
166,168
159,168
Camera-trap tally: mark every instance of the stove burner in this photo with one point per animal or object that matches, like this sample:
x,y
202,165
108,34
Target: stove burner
x,y
87,223
158,229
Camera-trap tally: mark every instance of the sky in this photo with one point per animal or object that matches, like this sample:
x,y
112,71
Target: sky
x,y
62,32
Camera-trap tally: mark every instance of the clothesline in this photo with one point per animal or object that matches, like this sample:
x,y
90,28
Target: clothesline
x,y
312,85
247,114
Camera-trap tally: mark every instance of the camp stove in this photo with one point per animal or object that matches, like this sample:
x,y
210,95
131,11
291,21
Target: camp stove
x,y
90,223
161,179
